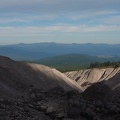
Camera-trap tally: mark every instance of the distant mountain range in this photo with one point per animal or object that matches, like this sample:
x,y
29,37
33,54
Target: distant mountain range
x,y
41,50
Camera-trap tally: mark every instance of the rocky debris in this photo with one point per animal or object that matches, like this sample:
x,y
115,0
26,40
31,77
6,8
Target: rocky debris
x,y
97,91
57,104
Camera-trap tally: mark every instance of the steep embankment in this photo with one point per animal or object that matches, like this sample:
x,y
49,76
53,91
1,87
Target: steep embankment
x,y
85,78
18,77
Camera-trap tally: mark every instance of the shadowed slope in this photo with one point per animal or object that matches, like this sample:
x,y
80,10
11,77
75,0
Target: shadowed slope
x,y
17,77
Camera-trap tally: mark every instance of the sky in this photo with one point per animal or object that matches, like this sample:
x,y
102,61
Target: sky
x,y
60,21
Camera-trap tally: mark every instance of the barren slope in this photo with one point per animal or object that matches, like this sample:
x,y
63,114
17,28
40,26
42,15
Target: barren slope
x,y
98,102
111,76
18,77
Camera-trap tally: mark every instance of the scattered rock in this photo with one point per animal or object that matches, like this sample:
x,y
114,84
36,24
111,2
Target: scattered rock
x,y
73,112
113,109
61,115
43,108
90,112
97,91
50,110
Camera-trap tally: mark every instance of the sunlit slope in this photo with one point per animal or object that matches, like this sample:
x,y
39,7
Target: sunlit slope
x,y
85,78
18,77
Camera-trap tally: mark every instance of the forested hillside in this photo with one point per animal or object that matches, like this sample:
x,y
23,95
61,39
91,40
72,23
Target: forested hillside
x,y
72,62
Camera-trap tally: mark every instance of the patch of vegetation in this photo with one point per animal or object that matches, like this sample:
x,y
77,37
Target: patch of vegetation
x,y
113,64
74,62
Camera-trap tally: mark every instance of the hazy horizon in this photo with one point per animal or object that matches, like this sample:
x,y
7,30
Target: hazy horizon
x,y
56,43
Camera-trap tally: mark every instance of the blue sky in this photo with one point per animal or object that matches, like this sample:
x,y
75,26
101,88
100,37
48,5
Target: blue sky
x,y
61,21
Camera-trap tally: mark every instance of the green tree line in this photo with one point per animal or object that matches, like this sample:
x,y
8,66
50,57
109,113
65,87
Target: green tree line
x,y
105,64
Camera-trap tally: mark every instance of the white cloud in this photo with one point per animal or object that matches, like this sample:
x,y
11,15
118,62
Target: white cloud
x,y
27,18
111,20
31,10
22,31
90,14
9,20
